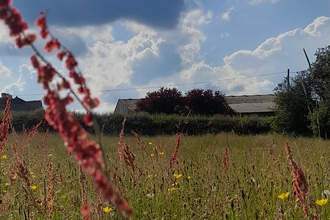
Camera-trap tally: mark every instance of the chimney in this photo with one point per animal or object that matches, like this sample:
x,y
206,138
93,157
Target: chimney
x,y
5,95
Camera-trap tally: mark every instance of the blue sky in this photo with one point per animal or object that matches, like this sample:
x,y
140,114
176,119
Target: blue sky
x,y
127,48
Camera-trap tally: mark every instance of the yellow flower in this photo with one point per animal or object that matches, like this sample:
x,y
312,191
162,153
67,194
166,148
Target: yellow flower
x,y
175,184
161,153
171,189
33,187
150,143
4,191
177,176
6,184
107,209
4,157
321,202
189,177
31,173
284,195
151,155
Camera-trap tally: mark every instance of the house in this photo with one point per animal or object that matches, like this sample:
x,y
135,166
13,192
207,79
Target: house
x,y
246,104
18,104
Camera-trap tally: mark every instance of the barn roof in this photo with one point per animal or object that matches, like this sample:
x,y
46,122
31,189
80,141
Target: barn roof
x,y
241,104
18,104
252,103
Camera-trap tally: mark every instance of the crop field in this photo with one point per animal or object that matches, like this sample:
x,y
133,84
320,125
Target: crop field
x,y
222,176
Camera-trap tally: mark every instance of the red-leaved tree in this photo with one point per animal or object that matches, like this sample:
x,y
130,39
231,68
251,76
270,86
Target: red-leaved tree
x,y
165,100
207,103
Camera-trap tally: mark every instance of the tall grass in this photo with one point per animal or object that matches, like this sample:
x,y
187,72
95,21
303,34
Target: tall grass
x,y
41,181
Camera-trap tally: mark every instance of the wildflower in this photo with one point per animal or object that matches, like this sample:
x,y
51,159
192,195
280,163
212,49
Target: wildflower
x,y
31,173
171,189
150,143
189,177
161,153
177,176
107,209
85,210
283,195
4,157
326,194
6,184
150,195
33,187
4,191
321,202
151,155
175,184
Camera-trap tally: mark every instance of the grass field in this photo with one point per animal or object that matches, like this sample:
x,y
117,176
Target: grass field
x,y
221,176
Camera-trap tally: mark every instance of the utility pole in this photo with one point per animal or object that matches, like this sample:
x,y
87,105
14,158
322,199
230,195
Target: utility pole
x,y
288,80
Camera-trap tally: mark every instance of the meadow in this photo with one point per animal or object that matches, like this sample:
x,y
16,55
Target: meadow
x,y
222,176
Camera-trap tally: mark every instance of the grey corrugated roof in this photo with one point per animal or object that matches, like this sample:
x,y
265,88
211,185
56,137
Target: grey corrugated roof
x,y
130,103
241,104
253,107
250,99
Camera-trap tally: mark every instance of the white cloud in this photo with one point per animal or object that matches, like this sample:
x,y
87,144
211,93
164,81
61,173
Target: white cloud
x,y
225,15
255,2
18,86
4,71
188,37
102,33
223,35
4,34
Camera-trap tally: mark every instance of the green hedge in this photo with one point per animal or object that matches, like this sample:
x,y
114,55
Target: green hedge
x,y
144,124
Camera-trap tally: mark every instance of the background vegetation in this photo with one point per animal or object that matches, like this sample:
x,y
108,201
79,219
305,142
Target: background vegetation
x,y
303,101
157,124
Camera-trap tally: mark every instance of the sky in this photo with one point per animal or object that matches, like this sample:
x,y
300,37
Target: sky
x,y
128,48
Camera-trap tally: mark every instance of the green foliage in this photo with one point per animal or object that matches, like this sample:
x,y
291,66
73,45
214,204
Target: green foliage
x,y
303,102
292,105
156,124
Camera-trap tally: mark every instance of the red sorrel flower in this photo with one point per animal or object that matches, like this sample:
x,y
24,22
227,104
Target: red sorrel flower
x,y
300,184
174,156
87,153
225,160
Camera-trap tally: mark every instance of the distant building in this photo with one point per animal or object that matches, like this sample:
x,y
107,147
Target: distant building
x,y
246,104
18,104
125,106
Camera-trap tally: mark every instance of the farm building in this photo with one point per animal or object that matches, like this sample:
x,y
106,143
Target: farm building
x,y
18,104
246,104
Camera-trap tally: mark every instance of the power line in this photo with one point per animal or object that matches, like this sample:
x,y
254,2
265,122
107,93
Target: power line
x,y
179,84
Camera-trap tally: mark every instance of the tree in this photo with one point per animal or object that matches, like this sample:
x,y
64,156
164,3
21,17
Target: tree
x,y
205,102
304,106
165,100
292,103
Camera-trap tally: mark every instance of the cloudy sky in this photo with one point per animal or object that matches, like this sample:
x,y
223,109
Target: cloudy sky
x,y
126,48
